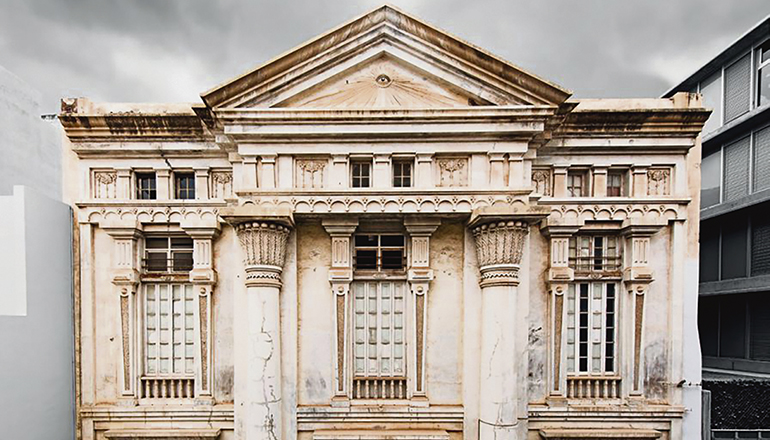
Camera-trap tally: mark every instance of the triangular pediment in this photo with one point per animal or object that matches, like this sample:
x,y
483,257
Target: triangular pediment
x,y
385,59
384,82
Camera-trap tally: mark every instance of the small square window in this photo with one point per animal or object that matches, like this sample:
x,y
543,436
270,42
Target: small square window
x,y
402,174
615,184
145,186
577,183
361,174
184,185
379,252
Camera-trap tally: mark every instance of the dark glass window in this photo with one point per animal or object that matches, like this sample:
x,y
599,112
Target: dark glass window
x,y
361,174
402,174
708,325
734,248
760,245
145,186
763,74
379,252
709,252
168,254
184,185
615,184
710,178
732,328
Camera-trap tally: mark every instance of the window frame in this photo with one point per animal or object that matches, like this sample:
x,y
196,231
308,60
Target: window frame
x,y
170,252
190,191
575,339
584,188
622,189
398,178
379,248
361,176
609,266
152,190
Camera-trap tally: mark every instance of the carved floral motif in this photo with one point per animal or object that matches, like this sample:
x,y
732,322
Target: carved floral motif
x,y
541,181
105,185
658,182
264,246
221,184
453,171
310,173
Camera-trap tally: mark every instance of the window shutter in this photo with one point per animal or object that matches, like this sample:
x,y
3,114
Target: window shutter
x,y
760,246
762,159
737,88
736,170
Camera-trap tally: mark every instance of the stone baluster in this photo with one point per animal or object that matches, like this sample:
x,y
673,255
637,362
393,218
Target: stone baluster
x,y
499,248
258,370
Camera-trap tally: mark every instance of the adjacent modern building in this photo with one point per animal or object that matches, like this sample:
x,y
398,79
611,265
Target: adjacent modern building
x,y
36,311
386,233
734,304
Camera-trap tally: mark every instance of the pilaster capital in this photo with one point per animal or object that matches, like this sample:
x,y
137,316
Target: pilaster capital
x,y
340,226
421,226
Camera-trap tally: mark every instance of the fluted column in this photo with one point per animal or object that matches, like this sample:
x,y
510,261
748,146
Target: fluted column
x,y
258,370
499,248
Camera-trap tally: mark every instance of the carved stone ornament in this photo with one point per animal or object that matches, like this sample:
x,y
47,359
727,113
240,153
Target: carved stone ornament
x,y
221,184
105,184
222,177
453,171
499,247
264,246
105,177
658,182
541,181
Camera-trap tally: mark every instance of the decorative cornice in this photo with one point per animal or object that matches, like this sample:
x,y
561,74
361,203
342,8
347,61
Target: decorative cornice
x,y
499,247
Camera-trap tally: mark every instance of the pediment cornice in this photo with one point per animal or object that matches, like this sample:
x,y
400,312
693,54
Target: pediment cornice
x,y
387,29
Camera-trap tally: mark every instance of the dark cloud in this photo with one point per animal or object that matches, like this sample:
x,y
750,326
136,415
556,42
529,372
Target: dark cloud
x,y
172,50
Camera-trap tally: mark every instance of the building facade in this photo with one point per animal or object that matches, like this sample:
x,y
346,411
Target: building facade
x,y
734,305
387,233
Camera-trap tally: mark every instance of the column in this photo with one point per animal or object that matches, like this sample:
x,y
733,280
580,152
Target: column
x,y
203,278
126,280
258,371
637,276
424,172
381,175
267,175
560,275
419,277
502,403
201,183
163,183
560,180
600,180
340,276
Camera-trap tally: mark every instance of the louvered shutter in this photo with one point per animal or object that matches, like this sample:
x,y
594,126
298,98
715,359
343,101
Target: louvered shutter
x,y
760,246
736,170
737,88
762,159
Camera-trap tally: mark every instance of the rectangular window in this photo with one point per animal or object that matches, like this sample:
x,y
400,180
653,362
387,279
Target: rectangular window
x,y
594,254
169,324
711,89
734,247
184,186
402,174
379,350
168,254
711,179
577,183
709,252
145,186
615,184
360,174
763,74
591,328
379,252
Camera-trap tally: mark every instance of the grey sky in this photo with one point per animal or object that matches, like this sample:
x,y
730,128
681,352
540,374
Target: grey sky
x,y
172,50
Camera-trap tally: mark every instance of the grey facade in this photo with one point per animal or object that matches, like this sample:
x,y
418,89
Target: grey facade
x,y
734,303
36,320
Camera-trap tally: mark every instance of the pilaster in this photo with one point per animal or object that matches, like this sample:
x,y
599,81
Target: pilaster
x,y
340,229
201,183
381,177
267,176
419,276
163,183
600,180
639,181
249,172
560,181
124,188
496,169
338,177
424,171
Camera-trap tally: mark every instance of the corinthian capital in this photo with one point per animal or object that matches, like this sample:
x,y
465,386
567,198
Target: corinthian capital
x,y
499,246
264,247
